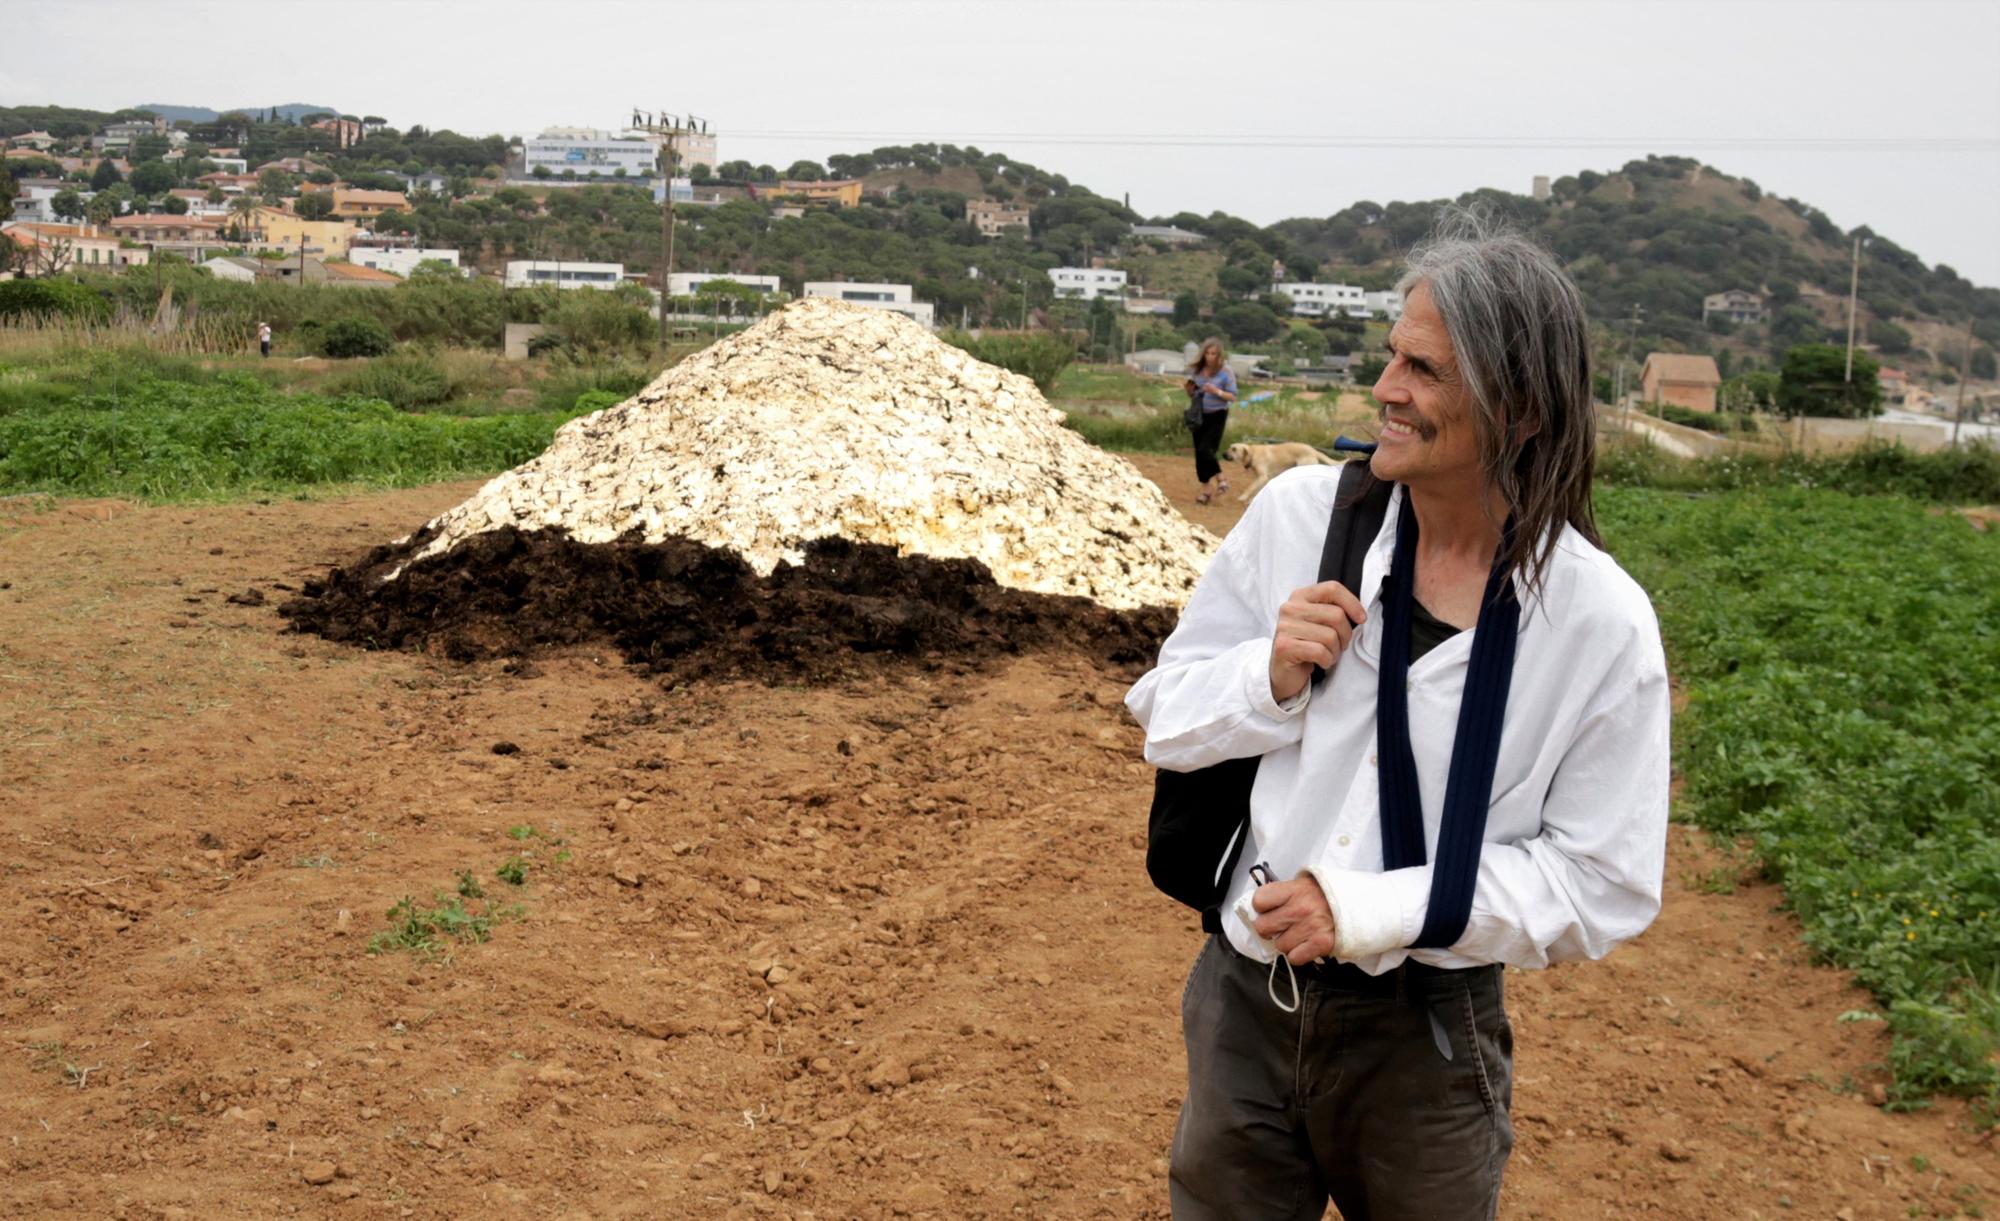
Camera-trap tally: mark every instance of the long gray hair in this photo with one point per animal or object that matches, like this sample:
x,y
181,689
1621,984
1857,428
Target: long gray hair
x,y
1522,345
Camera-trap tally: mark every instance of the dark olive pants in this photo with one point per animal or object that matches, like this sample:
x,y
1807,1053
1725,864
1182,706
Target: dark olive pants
x,y
1351,1099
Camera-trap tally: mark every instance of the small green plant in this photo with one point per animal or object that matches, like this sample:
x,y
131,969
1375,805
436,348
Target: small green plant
x,y
468,886
313,862
428,931
513,871
522,831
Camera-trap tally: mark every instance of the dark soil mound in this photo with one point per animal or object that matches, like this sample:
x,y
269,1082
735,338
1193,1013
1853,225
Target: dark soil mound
x,y
682,608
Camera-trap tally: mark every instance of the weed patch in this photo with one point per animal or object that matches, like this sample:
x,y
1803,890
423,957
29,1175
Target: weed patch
x,y
427,932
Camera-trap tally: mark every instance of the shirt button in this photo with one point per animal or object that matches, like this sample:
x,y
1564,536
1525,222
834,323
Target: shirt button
x,y
1371,761
1344,841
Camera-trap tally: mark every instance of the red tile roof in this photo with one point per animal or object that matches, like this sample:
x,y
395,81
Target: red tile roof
x,y
355,271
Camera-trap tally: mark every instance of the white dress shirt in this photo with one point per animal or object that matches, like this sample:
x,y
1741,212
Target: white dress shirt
x,y
1575,844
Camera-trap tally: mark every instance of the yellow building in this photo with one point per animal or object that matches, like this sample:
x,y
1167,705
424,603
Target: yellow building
x,y
283,231
843,194
360,205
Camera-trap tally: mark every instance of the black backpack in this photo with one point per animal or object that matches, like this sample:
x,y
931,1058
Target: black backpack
x,y
1200,819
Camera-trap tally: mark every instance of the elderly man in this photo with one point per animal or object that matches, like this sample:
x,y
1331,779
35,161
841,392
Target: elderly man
x,y
1480,780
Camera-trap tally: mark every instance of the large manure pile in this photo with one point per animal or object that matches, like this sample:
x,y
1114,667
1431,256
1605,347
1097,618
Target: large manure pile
x,y
835,420
834,481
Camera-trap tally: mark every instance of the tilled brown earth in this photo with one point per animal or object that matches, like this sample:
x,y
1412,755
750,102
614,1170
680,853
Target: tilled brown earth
x,y
876,948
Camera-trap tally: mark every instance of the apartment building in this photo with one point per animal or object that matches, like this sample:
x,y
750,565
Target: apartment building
x,y
561,150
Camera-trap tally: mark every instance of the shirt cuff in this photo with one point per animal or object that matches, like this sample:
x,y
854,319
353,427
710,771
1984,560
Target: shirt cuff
x,y
1374,913
1257,685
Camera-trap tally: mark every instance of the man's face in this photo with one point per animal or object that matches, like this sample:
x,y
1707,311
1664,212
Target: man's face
x,y
1428,438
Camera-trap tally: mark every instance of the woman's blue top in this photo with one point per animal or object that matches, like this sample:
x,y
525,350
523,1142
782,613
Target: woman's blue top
x,y
1222,380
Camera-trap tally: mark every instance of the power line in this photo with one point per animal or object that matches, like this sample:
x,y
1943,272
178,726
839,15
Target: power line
x,y
1830,144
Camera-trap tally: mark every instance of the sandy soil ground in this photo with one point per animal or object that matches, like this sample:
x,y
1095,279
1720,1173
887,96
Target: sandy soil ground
x,y
879,949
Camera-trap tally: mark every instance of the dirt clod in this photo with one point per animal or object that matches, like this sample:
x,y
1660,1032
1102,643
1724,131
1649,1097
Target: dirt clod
x,y
319,1174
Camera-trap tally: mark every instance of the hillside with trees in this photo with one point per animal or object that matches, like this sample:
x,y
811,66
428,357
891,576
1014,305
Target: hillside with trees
x,y
1646,242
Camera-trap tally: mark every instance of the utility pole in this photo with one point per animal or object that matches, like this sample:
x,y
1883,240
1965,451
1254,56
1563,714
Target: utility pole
x,y
1623,404
1853,290
669,130
1964,372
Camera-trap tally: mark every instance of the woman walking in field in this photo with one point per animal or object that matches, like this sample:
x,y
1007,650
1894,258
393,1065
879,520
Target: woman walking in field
x,y
1209,378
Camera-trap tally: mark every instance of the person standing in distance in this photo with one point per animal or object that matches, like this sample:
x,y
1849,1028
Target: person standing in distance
x,y
264,339
1210,378
1481,780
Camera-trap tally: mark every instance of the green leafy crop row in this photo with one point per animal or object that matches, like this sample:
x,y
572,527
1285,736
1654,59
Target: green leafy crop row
x,y
164,440
1841,659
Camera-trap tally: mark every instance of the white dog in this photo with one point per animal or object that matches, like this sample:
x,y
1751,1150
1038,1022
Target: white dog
x,y
1268,460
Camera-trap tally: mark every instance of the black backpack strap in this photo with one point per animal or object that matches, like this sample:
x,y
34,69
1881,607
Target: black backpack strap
x,y
1359,506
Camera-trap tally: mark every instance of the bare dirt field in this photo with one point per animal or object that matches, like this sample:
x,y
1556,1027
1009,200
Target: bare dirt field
x,y
871,949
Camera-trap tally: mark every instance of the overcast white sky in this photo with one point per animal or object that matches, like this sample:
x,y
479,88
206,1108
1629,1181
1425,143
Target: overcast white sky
x,y
1886,114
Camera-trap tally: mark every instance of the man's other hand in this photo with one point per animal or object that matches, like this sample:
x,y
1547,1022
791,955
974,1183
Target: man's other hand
x,y
1296,917
1314,626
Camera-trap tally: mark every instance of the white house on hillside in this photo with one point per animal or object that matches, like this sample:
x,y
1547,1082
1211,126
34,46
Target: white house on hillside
x,y
1325,300
683,283
1088,283
523,273
897,297
399,260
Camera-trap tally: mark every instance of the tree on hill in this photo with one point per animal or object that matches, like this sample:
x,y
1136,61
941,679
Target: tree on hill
x,y
275,184
6,196
1813,382
805,171
317,205
67,204
105,175
1248,322
174,205
151,178
1888,337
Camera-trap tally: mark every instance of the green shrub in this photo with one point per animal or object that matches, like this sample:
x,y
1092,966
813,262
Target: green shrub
x,y
1038,356
600,323
350,337
50,298
1706,421
408,381
569,380
1968,475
